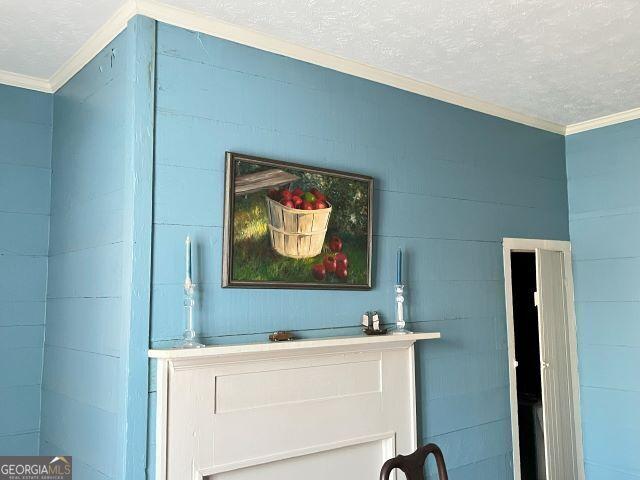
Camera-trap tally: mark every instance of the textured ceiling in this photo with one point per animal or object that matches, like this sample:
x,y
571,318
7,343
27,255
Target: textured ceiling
x,y
563,61
38,36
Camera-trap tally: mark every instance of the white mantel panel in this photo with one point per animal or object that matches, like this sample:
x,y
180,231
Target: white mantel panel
x,y
299,381
328,464
287,413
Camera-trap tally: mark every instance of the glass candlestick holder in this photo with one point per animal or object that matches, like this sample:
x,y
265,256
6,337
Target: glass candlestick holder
x,y
189,336
400,322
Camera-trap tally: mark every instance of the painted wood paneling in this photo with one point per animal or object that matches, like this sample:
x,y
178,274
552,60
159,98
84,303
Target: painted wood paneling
x,y
84,324
27,144
609,323
89,273
603,173
609,280
25,159
24,278
80,468
476,408
450,183
18,444
468,446
26,106
91,223
22,312
95,364
20,336
21,367
24,189
137,250
89,378
601,237
21,409
85,430
89,410
24,234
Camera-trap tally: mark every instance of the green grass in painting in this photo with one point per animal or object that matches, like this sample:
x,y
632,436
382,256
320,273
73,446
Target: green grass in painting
x,y
255,260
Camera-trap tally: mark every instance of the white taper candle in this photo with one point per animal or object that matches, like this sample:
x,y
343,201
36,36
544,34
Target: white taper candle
x,y
187,254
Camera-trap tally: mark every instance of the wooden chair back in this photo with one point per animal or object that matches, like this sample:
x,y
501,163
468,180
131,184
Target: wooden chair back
x,y
413,465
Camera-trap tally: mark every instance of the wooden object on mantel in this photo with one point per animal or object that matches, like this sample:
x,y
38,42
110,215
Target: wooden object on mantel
x,y
253,182
313,409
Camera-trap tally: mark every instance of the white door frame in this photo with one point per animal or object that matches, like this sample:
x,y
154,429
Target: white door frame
x,y
529,245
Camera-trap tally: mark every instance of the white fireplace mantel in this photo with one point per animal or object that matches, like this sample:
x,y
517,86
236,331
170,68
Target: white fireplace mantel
x,y
313,409
293,347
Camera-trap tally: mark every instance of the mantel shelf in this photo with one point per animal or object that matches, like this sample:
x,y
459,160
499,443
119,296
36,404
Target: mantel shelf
x,y
329,343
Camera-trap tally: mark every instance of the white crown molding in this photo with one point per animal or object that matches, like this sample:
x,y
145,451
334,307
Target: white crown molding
x,y
25,81
605,121
192,21
195,22
100,39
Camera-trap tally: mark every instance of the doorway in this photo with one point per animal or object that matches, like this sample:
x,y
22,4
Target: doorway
x,y
528,380
543,381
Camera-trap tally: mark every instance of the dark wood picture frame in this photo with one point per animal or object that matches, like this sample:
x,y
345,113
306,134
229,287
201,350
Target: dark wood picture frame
x,y
228,234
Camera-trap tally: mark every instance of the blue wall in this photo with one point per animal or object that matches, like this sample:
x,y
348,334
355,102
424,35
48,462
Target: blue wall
x,y
603,170
450,183
92,377
25,152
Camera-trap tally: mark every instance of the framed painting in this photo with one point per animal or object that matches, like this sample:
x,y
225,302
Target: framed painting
x,y
288,225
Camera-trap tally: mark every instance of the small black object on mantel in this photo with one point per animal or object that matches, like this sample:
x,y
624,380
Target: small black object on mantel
x,y
281,336
371,324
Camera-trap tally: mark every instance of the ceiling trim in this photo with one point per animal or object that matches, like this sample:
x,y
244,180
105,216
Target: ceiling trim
x,y
605,121
92,47
193,21
24,81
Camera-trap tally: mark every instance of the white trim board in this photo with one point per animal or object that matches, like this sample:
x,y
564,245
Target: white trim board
x,y
24,81
192,21
92,47
605,121
210,26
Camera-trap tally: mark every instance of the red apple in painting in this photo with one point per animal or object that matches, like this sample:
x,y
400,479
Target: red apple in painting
x,y
319,205
335,244
307,205
318,271
298,192
330,263
285,194
287,203
341,272
296,200
320,197
341,260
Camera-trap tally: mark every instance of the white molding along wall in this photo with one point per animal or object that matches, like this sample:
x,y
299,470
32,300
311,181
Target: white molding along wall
x,y
25,81
193,21
100,39
210,26
534,245
605,121
313,409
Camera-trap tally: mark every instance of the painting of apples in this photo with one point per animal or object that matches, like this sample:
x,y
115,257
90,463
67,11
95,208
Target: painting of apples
x,y
288,225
